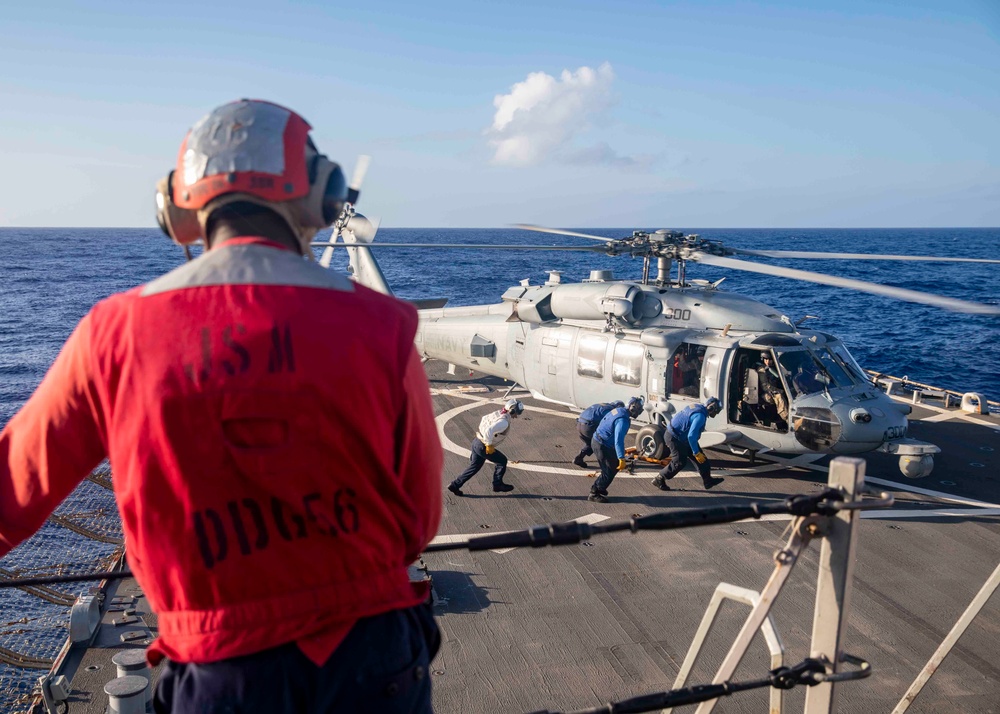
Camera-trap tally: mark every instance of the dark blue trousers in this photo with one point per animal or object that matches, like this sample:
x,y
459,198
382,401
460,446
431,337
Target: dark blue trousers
x,y
680,452
607,459
586,432
477,458
382,666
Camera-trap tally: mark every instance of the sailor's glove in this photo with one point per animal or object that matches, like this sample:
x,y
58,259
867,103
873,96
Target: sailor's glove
x,y
701,458
622,465
490,448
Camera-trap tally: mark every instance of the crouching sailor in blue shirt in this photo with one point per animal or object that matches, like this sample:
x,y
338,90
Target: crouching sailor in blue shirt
x,y
681,437
586,425
609,445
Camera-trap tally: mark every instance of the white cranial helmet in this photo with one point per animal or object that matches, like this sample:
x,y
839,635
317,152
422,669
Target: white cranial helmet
x,y
514,407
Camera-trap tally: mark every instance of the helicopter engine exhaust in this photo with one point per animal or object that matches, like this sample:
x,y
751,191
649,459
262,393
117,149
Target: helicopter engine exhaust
x,y
596,300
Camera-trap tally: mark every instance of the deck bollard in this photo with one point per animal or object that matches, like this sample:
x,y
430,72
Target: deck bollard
x,y
126,695
132,662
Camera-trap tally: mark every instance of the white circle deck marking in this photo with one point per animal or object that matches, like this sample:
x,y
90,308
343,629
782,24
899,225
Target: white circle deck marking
x,y
978,508
476,401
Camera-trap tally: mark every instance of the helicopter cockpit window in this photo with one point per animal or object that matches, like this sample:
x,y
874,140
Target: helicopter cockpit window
x,y
840,376
804,372
626,367
590,354
845,358
686,370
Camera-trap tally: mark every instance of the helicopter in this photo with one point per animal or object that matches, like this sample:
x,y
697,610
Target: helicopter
x,y
673,341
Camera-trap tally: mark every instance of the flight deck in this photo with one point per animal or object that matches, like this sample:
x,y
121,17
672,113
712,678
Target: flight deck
x,y
576,626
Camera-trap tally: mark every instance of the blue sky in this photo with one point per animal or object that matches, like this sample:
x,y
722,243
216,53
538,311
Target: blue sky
x,y
587,114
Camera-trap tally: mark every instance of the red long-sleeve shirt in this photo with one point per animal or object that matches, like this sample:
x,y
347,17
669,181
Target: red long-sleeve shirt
x,y
270,431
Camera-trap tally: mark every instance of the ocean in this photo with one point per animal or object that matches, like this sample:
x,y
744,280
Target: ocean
x,y
50,277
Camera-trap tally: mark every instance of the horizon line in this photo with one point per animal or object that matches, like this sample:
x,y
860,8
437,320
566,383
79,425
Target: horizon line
x,y
600,228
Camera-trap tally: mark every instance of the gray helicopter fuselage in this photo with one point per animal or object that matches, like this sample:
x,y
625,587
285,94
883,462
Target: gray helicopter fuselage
x,y
581,343
675,342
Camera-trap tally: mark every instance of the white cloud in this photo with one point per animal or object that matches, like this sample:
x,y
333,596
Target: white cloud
x,y
541,118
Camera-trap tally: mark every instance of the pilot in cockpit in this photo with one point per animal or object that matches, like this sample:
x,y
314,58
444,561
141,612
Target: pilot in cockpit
x,y
771,387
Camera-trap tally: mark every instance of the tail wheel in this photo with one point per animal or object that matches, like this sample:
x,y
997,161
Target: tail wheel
x,y
649,442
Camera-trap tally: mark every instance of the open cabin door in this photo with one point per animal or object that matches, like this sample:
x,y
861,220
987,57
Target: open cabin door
x,y
713,374
756,397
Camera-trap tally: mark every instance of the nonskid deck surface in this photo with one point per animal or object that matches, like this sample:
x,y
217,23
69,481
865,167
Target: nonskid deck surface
x,y
571,627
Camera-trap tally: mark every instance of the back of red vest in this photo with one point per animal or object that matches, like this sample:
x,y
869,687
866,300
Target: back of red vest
x,y
275,456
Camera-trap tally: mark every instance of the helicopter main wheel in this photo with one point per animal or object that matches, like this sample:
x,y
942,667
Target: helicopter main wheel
x,y
649,442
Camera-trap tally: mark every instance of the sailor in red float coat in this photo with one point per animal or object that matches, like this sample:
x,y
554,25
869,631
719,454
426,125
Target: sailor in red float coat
x,y
276,468
275,457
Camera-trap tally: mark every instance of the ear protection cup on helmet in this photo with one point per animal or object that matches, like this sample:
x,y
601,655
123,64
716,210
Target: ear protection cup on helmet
x,y
327,192
334,195
180,224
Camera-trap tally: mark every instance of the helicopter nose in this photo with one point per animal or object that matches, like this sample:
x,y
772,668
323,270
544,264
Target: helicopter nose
x,y
865,428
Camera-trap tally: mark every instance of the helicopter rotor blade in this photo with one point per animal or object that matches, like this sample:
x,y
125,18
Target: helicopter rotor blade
x,y
360,169
861,285
811,255
584,248
560,232
327,256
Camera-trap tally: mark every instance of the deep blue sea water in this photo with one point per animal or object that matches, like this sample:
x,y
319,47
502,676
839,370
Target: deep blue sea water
x,y
49,278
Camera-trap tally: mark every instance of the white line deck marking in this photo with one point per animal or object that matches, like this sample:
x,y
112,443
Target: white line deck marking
x,y
982,508
448,444
898,513
927,492
898,486
940,417
688,472
981,598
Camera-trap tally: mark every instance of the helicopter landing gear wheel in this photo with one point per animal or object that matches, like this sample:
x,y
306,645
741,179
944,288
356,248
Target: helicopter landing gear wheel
x,y
649,442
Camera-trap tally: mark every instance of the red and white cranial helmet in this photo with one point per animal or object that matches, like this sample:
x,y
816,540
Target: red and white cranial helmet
x,y
248,146
257,151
